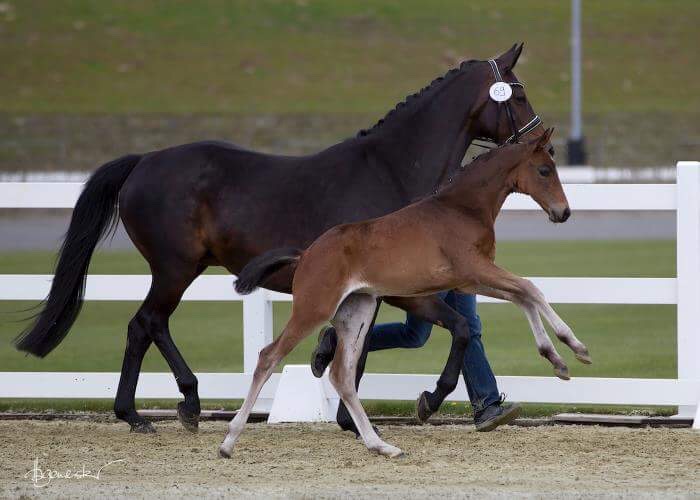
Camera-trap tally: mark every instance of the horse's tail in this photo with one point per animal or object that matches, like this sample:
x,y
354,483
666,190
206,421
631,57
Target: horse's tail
x,y
259,269
95,215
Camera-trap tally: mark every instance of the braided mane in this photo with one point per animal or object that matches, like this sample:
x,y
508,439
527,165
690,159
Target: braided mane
x,y
413,98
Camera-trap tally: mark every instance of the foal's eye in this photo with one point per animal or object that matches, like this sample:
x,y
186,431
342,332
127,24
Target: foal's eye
x,y
544,171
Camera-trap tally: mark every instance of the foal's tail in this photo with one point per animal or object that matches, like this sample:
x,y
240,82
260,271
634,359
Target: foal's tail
x,y
94,216
259,269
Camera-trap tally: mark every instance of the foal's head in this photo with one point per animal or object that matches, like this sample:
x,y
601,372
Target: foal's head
x,y
536,175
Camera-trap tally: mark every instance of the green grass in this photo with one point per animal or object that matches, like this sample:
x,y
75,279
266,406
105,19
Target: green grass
x,y
625,341
88,56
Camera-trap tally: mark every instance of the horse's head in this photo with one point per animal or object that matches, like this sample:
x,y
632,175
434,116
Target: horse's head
x,y
536,175
506,116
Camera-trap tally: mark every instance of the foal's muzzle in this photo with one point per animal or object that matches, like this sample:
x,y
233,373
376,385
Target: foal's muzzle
x,y
559,214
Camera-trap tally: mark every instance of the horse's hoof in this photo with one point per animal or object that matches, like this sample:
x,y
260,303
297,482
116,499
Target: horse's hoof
x,y
584,358
423,411
144,427
562,373
189,421
223,453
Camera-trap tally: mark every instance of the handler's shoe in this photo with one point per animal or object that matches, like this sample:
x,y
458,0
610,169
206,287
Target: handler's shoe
x,y
492,416
324,352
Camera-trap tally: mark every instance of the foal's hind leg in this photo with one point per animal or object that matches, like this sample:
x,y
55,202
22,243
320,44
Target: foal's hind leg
x,y
298,327
343,417
351,321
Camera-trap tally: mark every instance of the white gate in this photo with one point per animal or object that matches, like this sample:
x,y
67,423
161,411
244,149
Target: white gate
x,y
684,290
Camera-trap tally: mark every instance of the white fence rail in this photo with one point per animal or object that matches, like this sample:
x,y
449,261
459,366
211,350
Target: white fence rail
x,y
683,197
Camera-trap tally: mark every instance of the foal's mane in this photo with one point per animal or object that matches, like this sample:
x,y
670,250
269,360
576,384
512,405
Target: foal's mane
x,y
480,163
412,100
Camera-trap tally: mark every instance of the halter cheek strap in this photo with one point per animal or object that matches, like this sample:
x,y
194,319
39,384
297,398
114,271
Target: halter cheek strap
x,y
517,132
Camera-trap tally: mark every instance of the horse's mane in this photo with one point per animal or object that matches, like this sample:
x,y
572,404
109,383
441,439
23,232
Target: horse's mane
x,y
412,99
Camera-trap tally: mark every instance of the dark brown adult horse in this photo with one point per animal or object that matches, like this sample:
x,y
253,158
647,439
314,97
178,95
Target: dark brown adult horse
x,y
443,242
216,204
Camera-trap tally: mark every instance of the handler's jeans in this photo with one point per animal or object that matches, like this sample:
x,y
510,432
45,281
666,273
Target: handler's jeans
x,y
478,376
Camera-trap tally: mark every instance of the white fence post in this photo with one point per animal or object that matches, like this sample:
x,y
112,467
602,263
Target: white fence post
x,y
257,333
688,273
257,327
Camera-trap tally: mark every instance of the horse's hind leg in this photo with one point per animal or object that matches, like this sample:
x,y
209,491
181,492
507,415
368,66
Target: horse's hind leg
x,y
150,324
351,321
137,343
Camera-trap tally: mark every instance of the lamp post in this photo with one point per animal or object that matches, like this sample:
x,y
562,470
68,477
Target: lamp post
x,y
575,146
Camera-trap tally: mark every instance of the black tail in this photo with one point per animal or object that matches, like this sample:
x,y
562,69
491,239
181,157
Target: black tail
x,y
259,269
94,216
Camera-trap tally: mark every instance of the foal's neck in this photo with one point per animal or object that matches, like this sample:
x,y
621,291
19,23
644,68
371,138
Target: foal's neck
x,y
482,188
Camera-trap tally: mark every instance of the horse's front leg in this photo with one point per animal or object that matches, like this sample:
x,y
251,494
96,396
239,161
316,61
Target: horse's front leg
x,y
434,310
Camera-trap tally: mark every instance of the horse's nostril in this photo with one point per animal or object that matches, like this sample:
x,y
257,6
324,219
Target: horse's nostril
x,y
566,214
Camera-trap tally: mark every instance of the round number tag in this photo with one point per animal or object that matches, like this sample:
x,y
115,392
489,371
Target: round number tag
x,y
500,91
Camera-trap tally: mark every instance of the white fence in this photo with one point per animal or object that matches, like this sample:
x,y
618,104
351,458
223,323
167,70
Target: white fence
x,y
684,290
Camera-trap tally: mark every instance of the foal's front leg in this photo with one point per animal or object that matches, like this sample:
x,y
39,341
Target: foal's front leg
x,y
562,330
499,283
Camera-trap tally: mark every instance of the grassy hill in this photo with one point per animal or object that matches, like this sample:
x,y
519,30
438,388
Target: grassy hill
x,y
91,56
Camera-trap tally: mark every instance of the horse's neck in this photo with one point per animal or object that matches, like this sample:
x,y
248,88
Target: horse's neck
x,y
427,144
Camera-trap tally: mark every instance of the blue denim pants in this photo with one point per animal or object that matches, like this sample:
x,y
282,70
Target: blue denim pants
x,y
478,376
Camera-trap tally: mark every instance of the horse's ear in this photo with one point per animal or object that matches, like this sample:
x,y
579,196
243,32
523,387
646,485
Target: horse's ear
x,y
509,58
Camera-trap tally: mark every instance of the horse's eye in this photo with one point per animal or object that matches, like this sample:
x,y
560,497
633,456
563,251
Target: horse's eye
x,y
544,171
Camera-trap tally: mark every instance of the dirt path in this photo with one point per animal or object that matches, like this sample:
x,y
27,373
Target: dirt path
x,y
319,461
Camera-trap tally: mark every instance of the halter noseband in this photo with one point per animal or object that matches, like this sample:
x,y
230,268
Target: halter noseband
x,y
517,132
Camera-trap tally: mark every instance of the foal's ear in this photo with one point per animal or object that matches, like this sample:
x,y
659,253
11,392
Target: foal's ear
x,y
543,140
508,59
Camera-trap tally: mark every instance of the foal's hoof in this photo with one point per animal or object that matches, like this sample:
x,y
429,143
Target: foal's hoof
x,y
223,453
423,411
584,358
562,372
388,450
374,428
144,427
346,425
189,421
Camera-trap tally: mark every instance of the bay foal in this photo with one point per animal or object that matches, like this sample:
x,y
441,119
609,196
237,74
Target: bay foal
x,y
443,242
